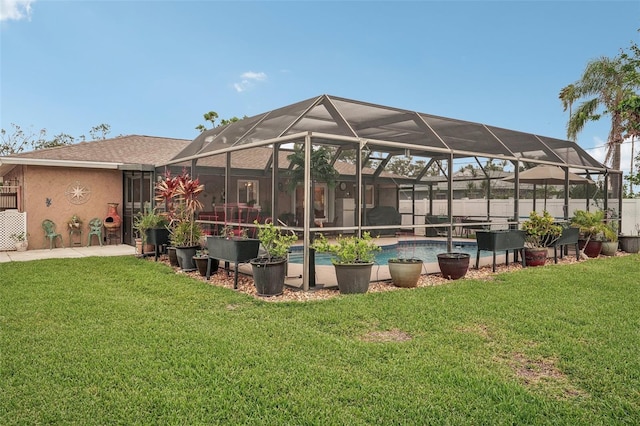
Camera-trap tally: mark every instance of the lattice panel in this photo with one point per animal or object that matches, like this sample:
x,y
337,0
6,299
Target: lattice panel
x,y
11,222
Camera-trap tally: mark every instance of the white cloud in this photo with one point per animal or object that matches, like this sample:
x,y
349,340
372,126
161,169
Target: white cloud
x,y
15,10
249,78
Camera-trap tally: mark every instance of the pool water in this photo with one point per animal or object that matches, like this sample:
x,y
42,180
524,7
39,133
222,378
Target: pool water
x,y
425,250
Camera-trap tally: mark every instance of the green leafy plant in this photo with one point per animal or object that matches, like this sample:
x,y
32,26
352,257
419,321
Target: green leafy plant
x,y
275,242
590,223
19,237
149,220
541,231
346,250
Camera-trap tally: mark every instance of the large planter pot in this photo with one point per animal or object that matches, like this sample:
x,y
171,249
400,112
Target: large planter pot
x,y
592,248
157,236
22,245
185,257
609,248
629,243
268,276
353,277
453,265
173,257
238,250
535,256
201,264
405,272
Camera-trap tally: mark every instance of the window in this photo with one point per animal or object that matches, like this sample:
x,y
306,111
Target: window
x,y
368,196
248,191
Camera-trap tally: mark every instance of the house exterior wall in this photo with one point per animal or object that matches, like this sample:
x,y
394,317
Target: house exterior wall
x,y
48,195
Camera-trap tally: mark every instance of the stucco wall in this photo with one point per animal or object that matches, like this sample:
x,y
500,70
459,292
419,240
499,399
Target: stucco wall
x,y
48,194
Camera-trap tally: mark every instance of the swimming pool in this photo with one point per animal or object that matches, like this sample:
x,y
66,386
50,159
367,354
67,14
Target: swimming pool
x,y
426,250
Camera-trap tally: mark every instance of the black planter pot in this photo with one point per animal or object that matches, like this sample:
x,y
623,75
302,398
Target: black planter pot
x,y
629,243
157,237
453,265
353,277
268,276
201,264
173,257
185,257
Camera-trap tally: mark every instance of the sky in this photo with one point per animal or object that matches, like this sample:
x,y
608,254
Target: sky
x,y
152,67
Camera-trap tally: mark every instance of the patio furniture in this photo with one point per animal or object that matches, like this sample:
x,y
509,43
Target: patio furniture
x,y
381,216
568,236
95,228
49,228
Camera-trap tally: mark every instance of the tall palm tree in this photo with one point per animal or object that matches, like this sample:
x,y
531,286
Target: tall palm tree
x,y
568,96
603,86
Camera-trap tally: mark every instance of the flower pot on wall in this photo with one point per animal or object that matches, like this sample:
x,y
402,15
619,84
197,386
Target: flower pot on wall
x,y
453,265
405,272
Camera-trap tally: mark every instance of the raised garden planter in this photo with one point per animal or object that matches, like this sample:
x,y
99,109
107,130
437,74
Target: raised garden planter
x,y
500,240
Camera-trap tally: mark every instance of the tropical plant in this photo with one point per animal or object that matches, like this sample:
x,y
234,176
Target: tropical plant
x,y
348,250
590,223
149,220
540,230
275,242
604,84
180,193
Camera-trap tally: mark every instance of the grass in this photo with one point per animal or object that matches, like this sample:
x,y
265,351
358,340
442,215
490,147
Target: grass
x,y
126,341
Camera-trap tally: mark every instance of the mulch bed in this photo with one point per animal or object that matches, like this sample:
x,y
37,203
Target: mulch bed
x,y
245,282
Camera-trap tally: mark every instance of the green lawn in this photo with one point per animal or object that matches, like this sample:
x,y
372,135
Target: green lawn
x,y
127,341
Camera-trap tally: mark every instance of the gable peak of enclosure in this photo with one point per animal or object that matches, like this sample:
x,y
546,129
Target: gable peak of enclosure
x,y
338,121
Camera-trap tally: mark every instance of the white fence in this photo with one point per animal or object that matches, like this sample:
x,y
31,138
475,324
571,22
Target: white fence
x,y
502,210
11,222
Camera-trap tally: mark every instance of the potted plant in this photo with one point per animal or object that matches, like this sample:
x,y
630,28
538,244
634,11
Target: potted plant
x,y
74,222
269,271
540,232
185,232
610,239
21,241
152,228
233,245
352,258
630,243
592,228
453,265
405,271
201,259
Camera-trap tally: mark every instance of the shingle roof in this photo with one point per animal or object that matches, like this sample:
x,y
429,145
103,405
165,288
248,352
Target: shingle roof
x,y
132,149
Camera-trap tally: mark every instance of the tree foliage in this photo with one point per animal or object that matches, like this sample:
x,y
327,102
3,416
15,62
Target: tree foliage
x,y
604,85
16,139
211,118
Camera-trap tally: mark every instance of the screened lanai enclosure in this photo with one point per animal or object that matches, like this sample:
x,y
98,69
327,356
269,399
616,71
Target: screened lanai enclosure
x,y
340,166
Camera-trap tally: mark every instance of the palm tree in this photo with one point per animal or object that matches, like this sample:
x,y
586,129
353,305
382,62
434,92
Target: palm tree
x,y
568,96
603,86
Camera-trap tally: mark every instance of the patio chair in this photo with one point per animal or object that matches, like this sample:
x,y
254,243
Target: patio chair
x,y
569,237
50,232
95,228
